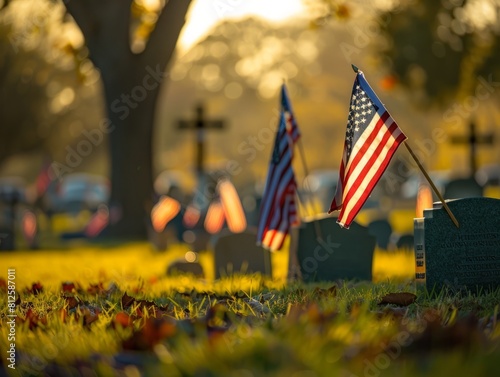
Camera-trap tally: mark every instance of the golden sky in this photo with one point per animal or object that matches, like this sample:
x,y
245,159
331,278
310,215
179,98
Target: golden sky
x,y
204,14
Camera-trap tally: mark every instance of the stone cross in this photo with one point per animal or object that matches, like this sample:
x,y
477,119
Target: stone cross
x,y
200,124
473,139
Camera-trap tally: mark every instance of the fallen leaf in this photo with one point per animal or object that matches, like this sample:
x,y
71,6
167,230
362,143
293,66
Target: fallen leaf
x,y
127,301
33,318
18,299
330,292
399,299
462,333
149,305
69,287
122,319
217,316
71,302
35,289
90,314
96,289
153,309
153,332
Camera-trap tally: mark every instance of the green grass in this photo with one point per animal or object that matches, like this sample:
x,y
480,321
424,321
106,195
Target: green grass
x,y
237,326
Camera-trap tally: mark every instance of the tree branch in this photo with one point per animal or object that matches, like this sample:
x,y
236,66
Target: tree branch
x,y
105,25
80,11
163,39
5,4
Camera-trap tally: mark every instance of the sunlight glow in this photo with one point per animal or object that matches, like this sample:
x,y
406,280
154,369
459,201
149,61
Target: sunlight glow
x,y
424,200
231,204
150,4
205,14
164,211
479,14
214,221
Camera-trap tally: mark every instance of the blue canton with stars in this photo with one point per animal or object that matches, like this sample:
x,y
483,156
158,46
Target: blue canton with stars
x,y
361,112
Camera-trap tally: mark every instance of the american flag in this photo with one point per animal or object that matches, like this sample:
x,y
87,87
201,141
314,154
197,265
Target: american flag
x,y
278,211
372,138
291,123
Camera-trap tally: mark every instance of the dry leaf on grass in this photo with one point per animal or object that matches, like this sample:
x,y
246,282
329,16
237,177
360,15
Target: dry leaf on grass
x,y
35,289
399,299
153,332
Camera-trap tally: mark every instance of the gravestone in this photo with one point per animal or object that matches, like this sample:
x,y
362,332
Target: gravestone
x,y
238,253
464,258
462,188
6,240
382,231
405,242
339,254
181,265
11,195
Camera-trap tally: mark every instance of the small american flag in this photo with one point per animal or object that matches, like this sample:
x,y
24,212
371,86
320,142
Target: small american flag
x,y
372,138
291,123
278,211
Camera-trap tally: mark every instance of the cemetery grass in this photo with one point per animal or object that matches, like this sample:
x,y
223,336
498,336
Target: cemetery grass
x,y
114,312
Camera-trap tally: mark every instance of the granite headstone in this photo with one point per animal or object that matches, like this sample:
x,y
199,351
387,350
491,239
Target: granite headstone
x,y
337,254
382,231
464,258
238,253
462,188
6,239
182,266
11,195
405,241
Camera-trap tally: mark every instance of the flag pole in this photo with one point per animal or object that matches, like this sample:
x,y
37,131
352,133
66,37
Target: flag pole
x,y
445,205
317,228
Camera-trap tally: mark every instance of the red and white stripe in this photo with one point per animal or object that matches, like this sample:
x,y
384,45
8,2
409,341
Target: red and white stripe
x,y
278,210
368,160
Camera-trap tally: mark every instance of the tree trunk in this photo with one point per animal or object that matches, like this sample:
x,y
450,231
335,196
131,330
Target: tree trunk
x,y
131,85
130,145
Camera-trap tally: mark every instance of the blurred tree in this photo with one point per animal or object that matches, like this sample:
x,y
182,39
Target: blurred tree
x,y
18,132
439,49
37,80
131,45
435,49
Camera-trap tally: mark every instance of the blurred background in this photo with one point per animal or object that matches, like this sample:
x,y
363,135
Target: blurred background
x,y
435,64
